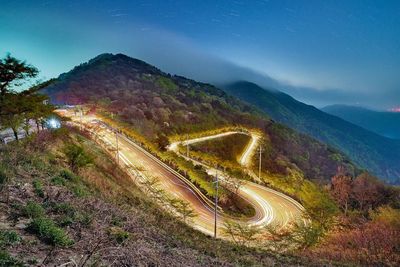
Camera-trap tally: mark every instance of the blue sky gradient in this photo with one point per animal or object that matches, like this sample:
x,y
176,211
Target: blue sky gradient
x,y
322,52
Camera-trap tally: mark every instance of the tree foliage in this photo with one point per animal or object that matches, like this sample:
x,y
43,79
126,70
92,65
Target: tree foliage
x,y
154,103
341,189
18,109
13,72
241,234
77,156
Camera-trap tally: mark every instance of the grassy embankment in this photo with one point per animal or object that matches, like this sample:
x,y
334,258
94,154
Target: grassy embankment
x,y
229,202
55,211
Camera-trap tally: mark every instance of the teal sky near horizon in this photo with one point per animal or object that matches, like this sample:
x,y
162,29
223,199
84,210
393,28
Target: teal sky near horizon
x,y
329,51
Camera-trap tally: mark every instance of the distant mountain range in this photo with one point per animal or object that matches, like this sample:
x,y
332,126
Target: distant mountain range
x,y
371,151
156,104
380,122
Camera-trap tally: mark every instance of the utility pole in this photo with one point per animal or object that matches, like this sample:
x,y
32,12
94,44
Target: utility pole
x,y
259,164
216,203
187,145
116,140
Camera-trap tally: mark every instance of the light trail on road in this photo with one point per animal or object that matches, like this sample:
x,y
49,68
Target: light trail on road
x,y
266,202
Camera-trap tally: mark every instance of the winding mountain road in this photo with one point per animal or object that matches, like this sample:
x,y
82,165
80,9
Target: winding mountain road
x,y
271,207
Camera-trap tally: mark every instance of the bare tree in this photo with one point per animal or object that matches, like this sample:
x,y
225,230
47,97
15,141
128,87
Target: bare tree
x,y
366,191
237,184
241,234
184,209
341,189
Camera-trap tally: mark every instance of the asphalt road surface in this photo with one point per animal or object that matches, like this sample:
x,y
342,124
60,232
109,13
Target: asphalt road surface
x,y
271,206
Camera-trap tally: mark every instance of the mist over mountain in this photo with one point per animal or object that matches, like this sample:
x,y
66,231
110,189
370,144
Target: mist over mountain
x,y
156,104
107,72
370,150
384,123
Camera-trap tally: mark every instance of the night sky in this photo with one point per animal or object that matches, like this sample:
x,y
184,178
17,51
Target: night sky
x,y
322,52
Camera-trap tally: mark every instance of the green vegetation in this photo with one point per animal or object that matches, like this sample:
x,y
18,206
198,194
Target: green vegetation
x,y
6,260
167,84
223,152
44,227
241,234
17,109
115,215
33,210
77,157
118,234
3,176
8,238
368,150
354,220
319,206
47,230
151,105
37,185
228,148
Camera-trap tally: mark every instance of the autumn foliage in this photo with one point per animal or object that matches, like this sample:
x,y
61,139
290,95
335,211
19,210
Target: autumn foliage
x,y
374,243
368,231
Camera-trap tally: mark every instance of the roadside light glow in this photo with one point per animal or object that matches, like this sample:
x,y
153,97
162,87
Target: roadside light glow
x,y
53,123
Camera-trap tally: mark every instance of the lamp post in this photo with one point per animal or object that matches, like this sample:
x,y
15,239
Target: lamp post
x,y
259,164
187,145
216,203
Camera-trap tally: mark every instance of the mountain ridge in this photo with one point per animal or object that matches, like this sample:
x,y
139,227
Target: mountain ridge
x,y
370,150
384,123
156,104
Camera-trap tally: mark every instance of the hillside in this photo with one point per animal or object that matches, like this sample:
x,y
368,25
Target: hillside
x,y
53,214
371,151
156,105
66,199
384,123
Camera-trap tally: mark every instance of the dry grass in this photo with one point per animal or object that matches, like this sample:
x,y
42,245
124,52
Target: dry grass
x,y
111,224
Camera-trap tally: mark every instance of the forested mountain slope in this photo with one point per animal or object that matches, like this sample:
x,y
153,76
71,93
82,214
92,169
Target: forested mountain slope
x,y
371,151
384,123
157,104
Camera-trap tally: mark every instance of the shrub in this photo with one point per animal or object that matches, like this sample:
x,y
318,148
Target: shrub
x,y
3,177
9,238
68,212
57,180
65,221
77,156
372,244
387,215
118,234
67,175
84,218
79,190
63,177
6,260
117,221
64,208
33,210
47,230
38,188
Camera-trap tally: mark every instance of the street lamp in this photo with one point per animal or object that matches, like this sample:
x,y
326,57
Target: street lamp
x,y
216,202
53,123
